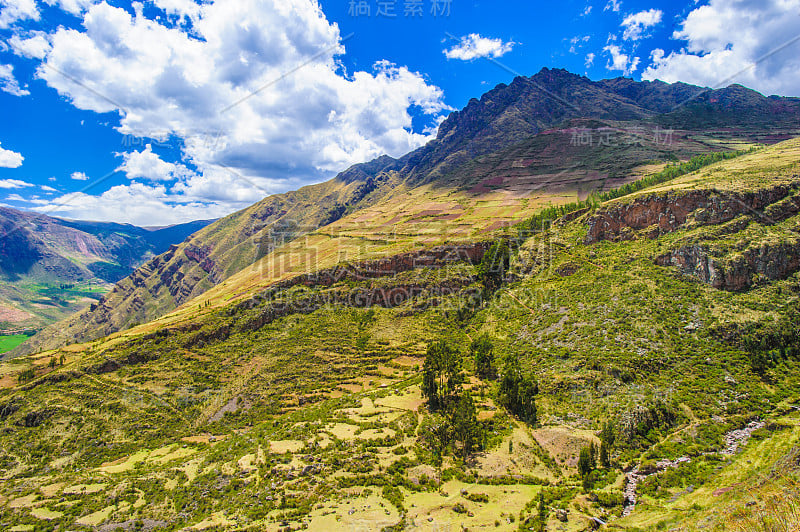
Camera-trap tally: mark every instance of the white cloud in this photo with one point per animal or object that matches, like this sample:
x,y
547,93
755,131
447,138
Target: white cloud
x,y
47,188
76,7
473,46
637,24
736,41
8,83
79,176
15,197
13,183
181,8
10,159
147,165
12,11
587,11
589,60
620,60
291,126
35,47
577,42
138,203
612,5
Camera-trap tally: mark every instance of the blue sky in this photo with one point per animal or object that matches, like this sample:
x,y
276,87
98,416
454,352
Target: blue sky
x,y
170,110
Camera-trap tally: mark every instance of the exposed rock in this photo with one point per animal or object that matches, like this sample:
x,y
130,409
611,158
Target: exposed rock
x,y
664,213
773,261
739,438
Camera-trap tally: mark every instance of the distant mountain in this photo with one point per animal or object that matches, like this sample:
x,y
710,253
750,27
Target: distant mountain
x,y
514,130
49,266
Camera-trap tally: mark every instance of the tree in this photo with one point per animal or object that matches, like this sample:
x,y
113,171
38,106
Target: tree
x,y
604,461
466,429
494,265
441,374
542,512
607,438
435,434
518,392
483,352
26,375
585,462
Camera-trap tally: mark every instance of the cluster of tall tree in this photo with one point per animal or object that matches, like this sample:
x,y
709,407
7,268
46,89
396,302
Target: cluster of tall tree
x,y
494,266
590,456
517,391
454,420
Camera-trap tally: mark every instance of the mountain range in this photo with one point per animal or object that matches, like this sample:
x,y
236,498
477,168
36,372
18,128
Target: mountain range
x,y
577,308
521,142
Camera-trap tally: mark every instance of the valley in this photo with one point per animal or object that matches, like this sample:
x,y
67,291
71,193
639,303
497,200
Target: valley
x,y
51,268
538,321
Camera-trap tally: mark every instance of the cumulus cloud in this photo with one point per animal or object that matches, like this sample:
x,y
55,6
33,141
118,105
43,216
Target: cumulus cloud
x,y
754,43
10,159
8,83
637,24
32,47
12,11
621,60
589,60
473,46
147,165
253,90
138,203
75,7
79,176
13,183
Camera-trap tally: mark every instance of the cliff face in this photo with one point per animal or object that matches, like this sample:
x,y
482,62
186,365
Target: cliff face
x,y
664,213
772,261
726,268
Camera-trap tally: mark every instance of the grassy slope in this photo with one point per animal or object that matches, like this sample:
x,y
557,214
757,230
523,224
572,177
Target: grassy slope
x,y
482,199
9,342
600,326
489,192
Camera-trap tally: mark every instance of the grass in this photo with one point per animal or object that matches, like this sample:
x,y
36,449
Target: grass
x,y
315,414
9,342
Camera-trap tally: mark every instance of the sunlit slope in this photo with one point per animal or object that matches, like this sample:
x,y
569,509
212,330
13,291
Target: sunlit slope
x,y
368,235
263,413
478,202
485,145
209,256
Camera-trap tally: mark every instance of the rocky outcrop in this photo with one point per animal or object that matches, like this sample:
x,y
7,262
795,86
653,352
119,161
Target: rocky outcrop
x,y
773,261
435,257
658,214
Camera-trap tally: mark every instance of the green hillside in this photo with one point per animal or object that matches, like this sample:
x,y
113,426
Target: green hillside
x,y
551,138
660,327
